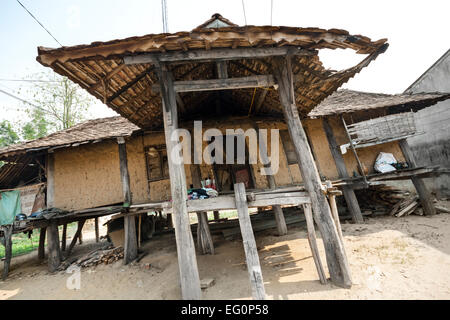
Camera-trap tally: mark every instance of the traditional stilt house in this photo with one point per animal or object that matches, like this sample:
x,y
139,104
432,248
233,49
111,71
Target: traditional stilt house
x,y
227,77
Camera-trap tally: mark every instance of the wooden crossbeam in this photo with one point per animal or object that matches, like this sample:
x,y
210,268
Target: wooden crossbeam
x,y
221,84
215,55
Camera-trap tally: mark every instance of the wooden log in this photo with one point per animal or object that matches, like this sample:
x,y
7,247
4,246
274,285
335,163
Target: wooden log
x,y
334,248
54,254
214,55
248,239
313,242
335,213
187,263
75,237
220,84
7,238
349,194
130,249
97,231
64,237
419,184
41,248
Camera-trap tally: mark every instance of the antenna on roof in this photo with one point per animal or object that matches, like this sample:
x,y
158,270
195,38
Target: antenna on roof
x,y
164,16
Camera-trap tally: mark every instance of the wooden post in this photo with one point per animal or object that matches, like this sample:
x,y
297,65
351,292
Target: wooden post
x,y
41,248
97,231
54,254
204,239
50,168
334,248
216,215
130,250
279,216
187,263
75,237
419,184
349,194
313,242
7,235
64,237
248,240
80,236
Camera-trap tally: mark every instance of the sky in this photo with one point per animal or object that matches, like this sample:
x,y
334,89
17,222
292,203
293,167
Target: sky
x,y
417,31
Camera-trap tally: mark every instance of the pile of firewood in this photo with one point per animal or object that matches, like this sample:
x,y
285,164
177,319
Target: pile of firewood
x,y
407,206
98,256
380,199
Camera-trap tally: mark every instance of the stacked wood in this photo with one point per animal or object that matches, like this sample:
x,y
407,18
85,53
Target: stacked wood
x,y
104,255
380,199
406,207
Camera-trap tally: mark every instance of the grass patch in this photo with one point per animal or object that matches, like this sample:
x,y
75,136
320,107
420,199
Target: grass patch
x,y
22,244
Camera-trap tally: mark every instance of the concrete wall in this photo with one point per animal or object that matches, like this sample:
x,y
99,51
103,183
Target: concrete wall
x,y
433,147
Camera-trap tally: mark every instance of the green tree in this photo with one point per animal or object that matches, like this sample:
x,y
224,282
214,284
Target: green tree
x,y
61,104
7,134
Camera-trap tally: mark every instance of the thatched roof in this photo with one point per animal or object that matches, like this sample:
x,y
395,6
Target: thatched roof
x,y
99,68
349,101
91,131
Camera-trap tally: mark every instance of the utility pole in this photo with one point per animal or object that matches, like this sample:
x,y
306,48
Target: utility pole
x,y
164,16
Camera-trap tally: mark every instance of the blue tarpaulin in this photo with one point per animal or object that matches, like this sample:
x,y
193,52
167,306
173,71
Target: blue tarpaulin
x,y
10,206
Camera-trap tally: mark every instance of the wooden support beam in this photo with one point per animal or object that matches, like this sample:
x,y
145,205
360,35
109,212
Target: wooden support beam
x,y
248,240
215,55
54,254
97,231
7,242
222,71
80,236
220,84
216,215
260,100
187,263
313,242
64,237
41,248
349,193
204,238
130,248
75,237
50,169
334,248
419,184
278,212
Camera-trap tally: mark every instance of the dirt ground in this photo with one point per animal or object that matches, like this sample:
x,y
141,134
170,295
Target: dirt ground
x,y
390,258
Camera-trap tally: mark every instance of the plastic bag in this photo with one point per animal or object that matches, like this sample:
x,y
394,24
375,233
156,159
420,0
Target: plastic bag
x,y
384,162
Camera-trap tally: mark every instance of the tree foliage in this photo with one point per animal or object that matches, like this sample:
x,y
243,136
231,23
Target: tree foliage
x,y
7,134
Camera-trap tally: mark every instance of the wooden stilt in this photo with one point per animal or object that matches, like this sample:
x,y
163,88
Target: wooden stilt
x,y
54,254
189,277
139,229
334,248
130,250
97,232
216,215
204,239
419,184
7,238
278,212
248,239
64,237
313,242
80,236
75,237
349,194
41,248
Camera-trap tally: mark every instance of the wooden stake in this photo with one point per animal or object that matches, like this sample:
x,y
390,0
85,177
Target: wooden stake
x,y
41,248
248,239
313,242
75,237
334,248
54,254
97,231
422,191
349,194
187,263
64,237
7,234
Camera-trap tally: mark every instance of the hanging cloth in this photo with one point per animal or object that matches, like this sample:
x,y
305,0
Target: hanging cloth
x,y
10,206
